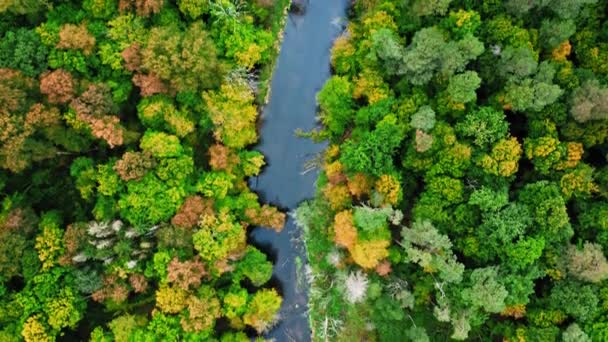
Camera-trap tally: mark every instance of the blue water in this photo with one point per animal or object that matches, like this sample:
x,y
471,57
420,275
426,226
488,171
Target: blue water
x,y
302,68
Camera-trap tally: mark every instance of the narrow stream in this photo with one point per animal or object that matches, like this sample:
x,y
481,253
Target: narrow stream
x,y
302,69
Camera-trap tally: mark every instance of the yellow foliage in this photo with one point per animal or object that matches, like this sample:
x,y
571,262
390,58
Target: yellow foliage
x,y
515,311
504,158
233,114
555,274
544,147
578,181
332,152
378,20
249,57
337,195
334,172
341,52
463,17
359,184
370,84
171,299
562,52
345,233
201,314
390,188
48,245
368,254
575,154
34,330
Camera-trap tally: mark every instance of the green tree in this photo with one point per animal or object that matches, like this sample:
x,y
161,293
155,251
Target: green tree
x,y
254,266
423,119
387,51
424,245
485,291
262,310
548,208
554,32
336,104
373,153
193,8
22,49
579,302
149,201
484,126
160,144
159,112
462,87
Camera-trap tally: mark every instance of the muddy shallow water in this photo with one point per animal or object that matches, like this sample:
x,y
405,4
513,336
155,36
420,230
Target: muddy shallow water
x,y
302,69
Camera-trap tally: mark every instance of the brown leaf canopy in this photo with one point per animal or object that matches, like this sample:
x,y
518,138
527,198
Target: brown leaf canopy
x,y
76,37
134,165
189,213
185,274
143,8
58,86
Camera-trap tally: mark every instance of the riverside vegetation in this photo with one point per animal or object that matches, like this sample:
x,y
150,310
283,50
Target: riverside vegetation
x,y
124,127
464,193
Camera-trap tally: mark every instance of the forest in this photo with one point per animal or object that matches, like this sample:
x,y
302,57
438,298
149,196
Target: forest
x,y
464,191
124,135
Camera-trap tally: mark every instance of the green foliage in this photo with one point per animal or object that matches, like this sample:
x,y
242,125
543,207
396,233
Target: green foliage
x,y
193,8
462,87
579,302
373,153
548,209
484,126
149,201
485,291
429,54
372,224
424,245
554,32
104,176
100,9
255,267
161,145
474,85
387,51
158,112
218,238
423,119
336,103
22,49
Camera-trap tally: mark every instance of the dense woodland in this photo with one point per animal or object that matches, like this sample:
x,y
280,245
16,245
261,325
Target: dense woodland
x,y
123,165
464,194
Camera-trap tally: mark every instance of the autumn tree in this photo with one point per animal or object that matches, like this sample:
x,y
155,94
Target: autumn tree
x,y
76,37
232,112
144,8
187,60
58,86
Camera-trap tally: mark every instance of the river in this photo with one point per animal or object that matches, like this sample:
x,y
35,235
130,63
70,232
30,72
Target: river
x,y
302,68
